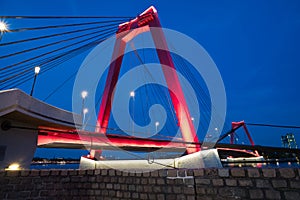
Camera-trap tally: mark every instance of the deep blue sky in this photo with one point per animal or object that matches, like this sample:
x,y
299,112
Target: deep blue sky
x,y
254,43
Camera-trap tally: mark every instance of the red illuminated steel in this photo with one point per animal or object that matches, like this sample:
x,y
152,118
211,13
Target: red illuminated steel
x,y
236,125
125,33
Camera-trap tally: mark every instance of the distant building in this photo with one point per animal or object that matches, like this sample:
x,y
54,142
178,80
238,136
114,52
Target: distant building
x,y
289,141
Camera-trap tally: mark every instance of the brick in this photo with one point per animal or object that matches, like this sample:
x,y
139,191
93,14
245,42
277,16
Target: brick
x,y
104,172
289,195
253,173
139,188
171,196
189,181
269,173
202,181
152,181
240,193
163,173
92,179
279,183
189,190
118,173
204,198
231,182
95,185
245,183
135,195
256,194
161,196
224,192
148,189
144,181
157,189
217,182
54,172
131,173
172,173
260,183
43,193
180,196
143,196
295,184
109,186
124,187
210,172
190,172
199,172
160,181
13,173
63,172
90,172
181,173
200,190
44,173
177,189
287,172
34,173
111,172
23,173
131,187
272,194
146,174
237,172
65,179
117,186
81,172
190,197
223,172
73,172
154,173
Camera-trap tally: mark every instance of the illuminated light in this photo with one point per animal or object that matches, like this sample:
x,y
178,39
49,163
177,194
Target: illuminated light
x,y
192,118
216,129
3,26
156,125
85,111
14,166
37,70
84,94
132,93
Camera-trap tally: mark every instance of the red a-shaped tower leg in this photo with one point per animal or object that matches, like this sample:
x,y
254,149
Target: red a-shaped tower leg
x,y
148,19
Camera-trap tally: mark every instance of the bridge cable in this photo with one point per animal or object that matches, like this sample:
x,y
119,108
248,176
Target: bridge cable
x,y
273,125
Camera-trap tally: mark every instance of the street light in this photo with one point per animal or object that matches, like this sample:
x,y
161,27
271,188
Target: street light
x,y
85,111
36,72
132,94
3,28
156,125
83,96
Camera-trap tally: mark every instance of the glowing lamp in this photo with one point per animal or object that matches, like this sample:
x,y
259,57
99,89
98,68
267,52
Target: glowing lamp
x,y
13,166
132,93
37,70
3,27
84,94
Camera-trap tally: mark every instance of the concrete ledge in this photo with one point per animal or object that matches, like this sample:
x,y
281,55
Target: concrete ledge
x,y
17,105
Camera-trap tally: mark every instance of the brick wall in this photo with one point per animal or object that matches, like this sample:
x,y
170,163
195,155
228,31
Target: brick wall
x,y
235,183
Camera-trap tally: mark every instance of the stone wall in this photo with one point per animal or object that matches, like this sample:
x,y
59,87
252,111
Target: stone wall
x,y
235,183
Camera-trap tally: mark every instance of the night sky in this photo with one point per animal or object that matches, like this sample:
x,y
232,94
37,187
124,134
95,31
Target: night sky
x,y
255,45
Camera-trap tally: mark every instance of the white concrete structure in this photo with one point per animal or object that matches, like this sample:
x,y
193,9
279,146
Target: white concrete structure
x,y
202,159
20,117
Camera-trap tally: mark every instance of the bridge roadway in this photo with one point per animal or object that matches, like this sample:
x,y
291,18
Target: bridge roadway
x,y
88,140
